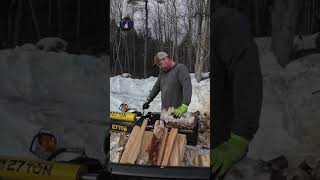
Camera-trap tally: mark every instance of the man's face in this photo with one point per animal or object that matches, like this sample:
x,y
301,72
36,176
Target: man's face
x,y
47,143
165,64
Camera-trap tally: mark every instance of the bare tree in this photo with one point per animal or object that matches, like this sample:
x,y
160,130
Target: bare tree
x,y
34,19
175,17
284,15
133,41
116,36
50,17
145,41
17,21
60,11
202,45
78,20
189,33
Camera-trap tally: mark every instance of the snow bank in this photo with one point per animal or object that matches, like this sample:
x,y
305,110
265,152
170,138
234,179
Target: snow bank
x,y
300,42
289,121
135,91
59,92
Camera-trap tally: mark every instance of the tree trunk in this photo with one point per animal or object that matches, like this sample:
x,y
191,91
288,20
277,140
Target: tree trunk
x,y
199,61
10,21
59,7
78,20
189,44
17,26
50,18
257,17
34,20
284,14
175,47
202,50
133,47
160,27
145,42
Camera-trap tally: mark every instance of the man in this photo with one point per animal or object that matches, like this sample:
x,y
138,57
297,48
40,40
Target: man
x,y
174,82
237,88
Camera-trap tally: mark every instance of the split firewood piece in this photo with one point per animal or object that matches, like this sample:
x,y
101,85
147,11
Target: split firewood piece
x,y
174,155
178,149
134,133
196,159
120,146
205,160
145,146
133,150
155,143
156,126
162,146
136,148
182,147
169,145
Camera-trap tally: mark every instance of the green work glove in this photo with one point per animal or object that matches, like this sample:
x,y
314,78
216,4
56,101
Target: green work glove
x,y
228,153
180,110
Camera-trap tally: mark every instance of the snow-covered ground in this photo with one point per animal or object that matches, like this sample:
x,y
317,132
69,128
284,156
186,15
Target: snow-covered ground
x,y
134,92
289,123
59,92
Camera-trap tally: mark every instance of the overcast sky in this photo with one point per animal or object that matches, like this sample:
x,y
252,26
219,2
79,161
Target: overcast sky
x,y
139,16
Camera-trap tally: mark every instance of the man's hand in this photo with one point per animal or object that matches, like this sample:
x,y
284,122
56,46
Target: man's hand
x,y
146,104
228,153
180,110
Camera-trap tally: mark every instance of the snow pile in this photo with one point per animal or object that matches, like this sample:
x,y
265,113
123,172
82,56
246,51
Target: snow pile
x,y
134,92
305,41
58,92
300,43
52,44
290,113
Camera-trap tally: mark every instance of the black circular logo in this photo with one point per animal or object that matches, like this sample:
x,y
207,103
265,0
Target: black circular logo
x,y
126,24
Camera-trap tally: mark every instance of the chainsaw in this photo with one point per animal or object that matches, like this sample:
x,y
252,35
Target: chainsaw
x,y
127,118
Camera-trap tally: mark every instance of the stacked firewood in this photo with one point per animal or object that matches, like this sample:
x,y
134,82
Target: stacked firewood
x,y
163,146
196,156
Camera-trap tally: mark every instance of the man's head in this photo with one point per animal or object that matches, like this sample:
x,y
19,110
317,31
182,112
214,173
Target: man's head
x,y
47,142
162,60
